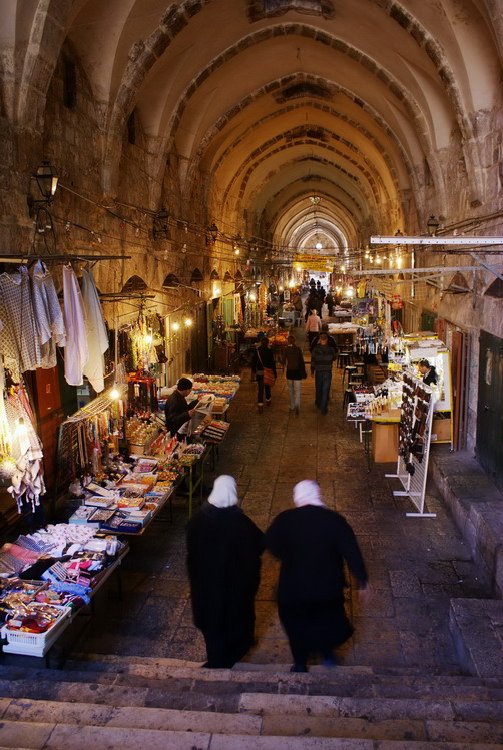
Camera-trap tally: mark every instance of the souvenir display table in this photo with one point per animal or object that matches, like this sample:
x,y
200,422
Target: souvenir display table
x,y
47,577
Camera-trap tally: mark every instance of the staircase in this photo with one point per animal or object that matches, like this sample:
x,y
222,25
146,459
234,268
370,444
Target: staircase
x,y
116,702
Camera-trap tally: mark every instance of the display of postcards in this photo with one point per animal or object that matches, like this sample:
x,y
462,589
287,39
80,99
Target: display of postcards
x,y
100,502
139,516
147,481
356,411
134,490
101,515
162,488
121,523
101,491
83,514
145,466
131,502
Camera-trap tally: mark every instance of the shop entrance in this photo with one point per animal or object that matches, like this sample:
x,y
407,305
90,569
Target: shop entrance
x,y
489,446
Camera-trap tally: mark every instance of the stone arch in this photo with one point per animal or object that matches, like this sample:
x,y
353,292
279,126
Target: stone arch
x,y
131,82
134,284
196,276
171,280
495,289
415,114
48,31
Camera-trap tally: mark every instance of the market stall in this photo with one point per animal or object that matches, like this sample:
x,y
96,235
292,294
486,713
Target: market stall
x,y
406,352
47,577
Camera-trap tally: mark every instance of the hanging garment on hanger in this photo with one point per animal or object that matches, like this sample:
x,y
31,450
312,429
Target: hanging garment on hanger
x,y
19,341
97,339
49,317
27,481
76,351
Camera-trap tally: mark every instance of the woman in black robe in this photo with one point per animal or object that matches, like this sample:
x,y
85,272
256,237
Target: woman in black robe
x,y
313,542
223,560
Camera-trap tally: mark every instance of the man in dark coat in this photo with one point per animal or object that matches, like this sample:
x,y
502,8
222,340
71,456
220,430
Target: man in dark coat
x,y
313,542
322,358
177,412
223,561
429,373
295,372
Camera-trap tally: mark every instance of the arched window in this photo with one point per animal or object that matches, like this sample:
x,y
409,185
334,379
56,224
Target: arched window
x,y
134,284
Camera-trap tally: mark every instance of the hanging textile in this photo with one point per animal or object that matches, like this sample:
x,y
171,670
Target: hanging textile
x,y
97,338
49,317
5,436
76,350
27,481
19,342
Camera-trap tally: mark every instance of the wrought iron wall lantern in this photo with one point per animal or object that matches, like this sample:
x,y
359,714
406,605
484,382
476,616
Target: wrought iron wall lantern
x,y
212,234
160,227
47,182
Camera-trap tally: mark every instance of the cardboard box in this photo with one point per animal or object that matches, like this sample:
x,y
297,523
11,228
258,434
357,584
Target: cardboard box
x,y
441,430
384,443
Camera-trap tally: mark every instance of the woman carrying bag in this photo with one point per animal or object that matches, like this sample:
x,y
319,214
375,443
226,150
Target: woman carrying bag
x,y
264,367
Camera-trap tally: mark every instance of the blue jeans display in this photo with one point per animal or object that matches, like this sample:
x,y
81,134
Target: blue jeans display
x,y
323,381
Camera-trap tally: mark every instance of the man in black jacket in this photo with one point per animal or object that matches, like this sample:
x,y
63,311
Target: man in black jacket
x,y
177,412
322,358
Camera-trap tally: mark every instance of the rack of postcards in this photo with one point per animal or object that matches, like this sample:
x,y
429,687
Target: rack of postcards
x,y
416,414
46,578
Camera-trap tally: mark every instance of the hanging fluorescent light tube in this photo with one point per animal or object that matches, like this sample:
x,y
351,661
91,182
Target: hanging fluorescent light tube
x,y
393,240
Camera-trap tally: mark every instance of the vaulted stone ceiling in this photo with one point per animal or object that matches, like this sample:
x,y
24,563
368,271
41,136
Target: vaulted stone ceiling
x,y
273,102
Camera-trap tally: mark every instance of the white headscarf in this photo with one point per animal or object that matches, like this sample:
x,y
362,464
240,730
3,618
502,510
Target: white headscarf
x,y
224,493
307,492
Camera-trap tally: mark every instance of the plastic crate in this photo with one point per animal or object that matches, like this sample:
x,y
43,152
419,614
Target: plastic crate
x,y
35,644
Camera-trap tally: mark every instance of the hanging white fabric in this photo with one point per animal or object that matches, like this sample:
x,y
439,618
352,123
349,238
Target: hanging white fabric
x,y
97,339
49,317
76,350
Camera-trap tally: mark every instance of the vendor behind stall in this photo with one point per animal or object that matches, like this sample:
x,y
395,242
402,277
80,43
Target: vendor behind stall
x,y
177,411
429,373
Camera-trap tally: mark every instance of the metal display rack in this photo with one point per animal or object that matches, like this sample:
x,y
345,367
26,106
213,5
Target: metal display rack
x,y
415,430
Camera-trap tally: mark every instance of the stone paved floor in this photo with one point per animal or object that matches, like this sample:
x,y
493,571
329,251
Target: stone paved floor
x,y
416,564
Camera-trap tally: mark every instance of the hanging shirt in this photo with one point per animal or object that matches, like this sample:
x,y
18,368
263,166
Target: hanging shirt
x,y
97,339
49,317
76,351
19,342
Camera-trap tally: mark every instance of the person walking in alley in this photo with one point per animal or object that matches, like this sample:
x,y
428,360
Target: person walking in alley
x,y
322,358
264,367
224,548
313,326
295,372
312,543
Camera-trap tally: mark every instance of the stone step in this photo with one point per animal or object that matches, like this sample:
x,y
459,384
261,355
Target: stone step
x,y
137,717
363,681
54,736
182,678
371,708
86,714
224,696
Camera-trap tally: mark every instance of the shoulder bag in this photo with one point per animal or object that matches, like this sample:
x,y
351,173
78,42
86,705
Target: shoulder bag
x,y
269,376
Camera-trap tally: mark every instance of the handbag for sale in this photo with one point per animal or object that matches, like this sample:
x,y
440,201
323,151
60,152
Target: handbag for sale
x,y
269,376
